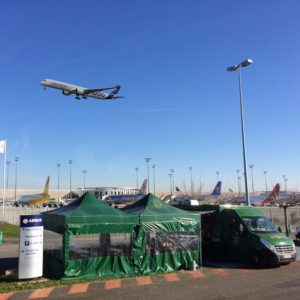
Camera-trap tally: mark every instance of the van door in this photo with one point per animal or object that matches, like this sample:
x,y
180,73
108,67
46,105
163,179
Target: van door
x,y
235,237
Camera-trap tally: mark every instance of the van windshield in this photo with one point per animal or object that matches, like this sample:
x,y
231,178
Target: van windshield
x,y
259,224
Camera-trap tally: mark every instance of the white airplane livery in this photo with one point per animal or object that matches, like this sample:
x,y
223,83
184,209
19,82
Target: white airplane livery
x,y
82,92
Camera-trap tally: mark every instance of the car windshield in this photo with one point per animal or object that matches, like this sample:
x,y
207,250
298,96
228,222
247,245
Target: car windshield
x,y
259,224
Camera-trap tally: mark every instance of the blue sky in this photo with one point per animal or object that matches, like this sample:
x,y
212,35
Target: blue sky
x,y
181,106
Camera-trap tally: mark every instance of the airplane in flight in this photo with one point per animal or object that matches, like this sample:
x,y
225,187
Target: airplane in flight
x,y
82,92
36,199
129,198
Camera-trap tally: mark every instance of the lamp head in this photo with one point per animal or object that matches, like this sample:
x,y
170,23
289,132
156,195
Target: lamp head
x,y
243,64
246,63
233,68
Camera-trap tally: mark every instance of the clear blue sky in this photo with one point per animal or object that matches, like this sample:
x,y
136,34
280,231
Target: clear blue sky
x,y
181,106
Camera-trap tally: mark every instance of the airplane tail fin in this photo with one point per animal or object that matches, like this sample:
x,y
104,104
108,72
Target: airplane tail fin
x,y
46,188
143,189
115,91
272,196
217,189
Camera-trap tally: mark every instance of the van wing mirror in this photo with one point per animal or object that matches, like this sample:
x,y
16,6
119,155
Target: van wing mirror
x,y
241,229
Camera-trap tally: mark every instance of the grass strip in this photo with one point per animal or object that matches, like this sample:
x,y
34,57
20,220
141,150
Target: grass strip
x,y
9,230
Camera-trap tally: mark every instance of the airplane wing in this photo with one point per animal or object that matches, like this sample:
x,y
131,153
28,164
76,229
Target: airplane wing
x,y
88,91
116,97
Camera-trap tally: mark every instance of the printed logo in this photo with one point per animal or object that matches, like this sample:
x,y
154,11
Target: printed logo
x,y
158,203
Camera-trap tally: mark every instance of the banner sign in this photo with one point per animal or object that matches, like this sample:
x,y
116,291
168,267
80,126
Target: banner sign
x,y
31,246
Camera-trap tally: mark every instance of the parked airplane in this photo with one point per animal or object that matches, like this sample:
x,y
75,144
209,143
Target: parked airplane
x,y
36,199
269,198
216,193
258,200
128,198
68,89
185,199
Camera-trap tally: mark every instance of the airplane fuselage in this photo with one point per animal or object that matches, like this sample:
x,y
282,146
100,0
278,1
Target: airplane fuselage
x,y
31,200
68,89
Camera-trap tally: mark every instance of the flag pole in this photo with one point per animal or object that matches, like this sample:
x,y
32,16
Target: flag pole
x,y
4,178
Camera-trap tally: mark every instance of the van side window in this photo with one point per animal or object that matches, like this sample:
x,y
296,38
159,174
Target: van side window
x,y
236,227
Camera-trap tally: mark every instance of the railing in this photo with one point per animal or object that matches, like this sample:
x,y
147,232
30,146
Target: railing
x,y
275,214
12,213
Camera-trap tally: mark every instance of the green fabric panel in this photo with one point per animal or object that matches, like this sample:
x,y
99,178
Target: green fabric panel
x,y
150,215
140,250
175,225
85,212
66,247
99,228
169,262
104,267
56,224
151,208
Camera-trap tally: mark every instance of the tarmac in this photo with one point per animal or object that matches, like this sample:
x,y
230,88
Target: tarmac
x,y
205,283
213,281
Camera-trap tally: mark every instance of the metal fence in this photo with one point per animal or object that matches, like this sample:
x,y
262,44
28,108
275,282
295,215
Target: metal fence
x,y
275,214
12,213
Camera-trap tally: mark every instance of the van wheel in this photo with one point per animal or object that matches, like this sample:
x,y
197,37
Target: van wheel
x,y
256,260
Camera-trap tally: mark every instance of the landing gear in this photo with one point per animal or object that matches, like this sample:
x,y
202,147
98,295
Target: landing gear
x,y
77,97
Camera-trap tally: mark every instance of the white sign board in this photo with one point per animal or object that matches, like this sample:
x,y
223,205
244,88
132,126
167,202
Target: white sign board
x,y
31,246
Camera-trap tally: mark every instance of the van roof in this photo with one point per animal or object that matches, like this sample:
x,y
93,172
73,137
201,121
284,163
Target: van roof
x,y
241,210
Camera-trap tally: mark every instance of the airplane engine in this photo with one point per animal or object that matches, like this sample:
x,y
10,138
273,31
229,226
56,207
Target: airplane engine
x,y
66,93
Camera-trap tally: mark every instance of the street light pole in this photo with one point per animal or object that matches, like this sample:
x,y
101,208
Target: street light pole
x,y
266,185
58,174
147,159
251,167
153,167
238,178
284,182
70,163
172,172
137,177
243,64
192,184
170,175
7,172
16,175
84,171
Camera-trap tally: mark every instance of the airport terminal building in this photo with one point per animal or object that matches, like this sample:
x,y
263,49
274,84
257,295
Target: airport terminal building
x,y
103,192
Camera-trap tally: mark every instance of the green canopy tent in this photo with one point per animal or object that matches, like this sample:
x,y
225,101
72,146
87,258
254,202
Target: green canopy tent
x,y
89,239
167,239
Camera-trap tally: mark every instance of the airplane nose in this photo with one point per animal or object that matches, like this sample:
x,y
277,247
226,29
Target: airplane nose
x,y
43,82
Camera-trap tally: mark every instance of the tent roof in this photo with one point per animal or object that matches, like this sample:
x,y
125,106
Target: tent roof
x,y
152,208
86,210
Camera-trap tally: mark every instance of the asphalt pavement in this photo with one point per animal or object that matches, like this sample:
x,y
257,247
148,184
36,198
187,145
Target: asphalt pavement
x,y
204,283
214,281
